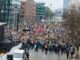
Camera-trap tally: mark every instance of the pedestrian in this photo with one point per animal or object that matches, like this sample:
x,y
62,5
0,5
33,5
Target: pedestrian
x,y
50,46
72,51
53,47
42,47
56,48
46,48
36,48
67,52
27,55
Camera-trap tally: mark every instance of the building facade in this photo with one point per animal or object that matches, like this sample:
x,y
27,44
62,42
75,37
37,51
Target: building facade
x,y
5,8
66,4
28,11
15,12
40,11
9,11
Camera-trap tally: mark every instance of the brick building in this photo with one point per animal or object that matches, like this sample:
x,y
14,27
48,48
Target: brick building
x,y
28,11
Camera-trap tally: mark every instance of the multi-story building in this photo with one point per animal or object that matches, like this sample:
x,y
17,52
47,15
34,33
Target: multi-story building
x,y
28,11
40,11
9,11
6,15
5,7
66,4
15,6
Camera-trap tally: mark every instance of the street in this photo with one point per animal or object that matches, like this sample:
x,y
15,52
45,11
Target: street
x,y
39,30
42,56
38,55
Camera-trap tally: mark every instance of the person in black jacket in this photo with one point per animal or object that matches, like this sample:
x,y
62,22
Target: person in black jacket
x,y
67,52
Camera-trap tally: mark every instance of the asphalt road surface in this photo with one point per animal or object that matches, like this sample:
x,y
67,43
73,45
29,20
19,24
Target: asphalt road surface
x,y
42,56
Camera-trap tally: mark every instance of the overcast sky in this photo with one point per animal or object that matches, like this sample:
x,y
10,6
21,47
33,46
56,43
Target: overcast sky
x,y
56,4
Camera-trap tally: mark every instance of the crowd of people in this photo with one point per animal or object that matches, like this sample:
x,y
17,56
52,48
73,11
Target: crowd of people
x,y
44,45
50,46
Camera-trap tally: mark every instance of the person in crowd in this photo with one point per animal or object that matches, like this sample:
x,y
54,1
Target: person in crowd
x,y
62,48
26,55
56,47
46,48
67,52
53,46
72,50
33,43
50,47
42,46
36,46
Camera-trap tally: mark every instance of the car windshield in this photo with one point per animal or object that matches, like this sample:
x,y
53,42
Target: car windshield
x,y
18,55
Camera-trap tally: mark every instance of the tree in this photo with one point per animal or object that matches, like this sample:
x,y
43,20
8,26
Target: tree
x,y
72,23
48,13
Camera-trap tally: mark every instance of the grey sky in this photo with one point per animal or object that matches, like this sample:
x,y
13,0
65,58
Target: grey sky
x,y
56,4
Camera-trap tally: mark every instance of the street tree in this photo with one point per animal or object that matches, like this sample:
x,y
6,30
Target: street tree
x,y
71,17
48,13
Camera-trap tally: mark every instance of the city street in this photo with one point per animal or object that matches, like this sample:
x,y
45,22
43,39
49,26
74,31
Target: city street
x,y
50,56
42,56
39,30
38,55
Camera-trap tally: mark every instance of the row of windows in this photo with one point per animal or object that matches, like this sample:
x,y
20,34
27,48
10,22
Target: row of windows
x,y
5,2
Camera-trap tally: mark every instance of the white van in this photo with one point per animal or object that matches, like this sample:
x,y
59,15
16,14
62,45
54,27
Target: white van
x,y
18,54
